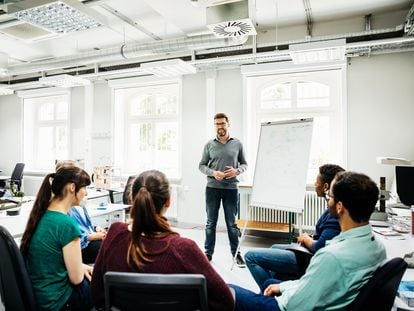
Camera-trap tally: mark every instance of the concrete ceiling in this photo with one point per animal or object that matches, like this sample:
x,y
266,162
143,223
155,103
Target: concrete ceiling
x,y
148,21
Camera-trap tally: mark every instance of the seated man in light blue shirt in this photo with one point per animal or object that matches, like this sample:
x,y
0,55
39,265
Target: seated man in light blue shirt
x,y
336,272
278,261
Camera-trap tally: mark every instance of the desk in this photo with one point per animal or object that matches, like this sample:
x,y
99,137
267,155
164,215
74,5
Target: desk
x,y
398,248
3,179
103,215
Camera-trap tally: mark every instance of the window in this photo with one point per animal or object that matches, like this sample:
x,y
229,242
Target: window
x,y
46,133
147,129
316,94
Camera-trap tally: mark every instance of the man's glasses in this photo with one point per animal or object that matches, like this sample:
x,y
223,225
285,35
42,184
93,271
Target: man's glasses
x,y
220,124
328,196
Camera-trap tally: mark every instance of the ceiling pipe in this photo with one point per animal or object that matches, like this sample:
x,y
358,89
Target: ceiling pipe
x,y
368,21
161,49
126,51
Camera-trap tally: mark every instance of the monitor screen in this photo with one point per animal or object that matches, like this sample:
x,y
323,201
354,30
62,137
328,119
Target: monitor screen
x,y
404,176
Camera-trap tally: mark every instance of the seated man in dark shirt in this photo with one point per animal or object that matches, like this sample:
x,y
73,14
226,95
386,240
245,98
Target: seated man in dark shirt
x,y
280,263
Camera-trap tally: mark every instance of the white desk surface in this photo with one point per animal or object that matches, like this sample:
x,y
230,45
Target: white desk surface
x,y
95,210
4,177
16,224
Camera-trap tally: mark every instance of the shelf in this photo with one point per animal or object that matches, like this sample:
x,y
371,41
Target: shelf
x,y
263,226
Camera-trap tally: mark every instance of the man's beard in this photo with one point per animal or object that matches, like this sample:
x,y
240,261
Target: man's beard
x,y
221,132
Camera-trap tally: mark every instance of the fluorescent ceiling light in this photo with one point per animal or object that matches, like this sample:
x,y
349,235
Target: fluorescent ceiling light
x,y
64,81
56,16
393,161
4,90
168,68
318,52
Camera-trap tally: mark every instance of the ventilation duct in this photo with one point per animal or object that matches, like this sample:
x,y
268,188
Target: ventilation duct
x,y
128,51
230,20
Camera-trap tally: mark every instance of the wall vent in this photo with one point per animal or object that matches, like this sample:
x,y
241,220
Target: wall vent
x,y
230,20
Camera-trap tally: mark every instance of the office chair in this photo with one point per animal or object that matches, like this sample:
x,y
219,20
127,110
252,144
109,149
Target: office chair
x,y
15,286
379,293
303,258
16,177
155,292
127,190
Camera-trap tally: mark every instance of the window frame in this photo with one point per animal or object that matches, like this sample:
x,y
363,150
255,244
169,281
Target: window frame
x,y
278,71
36,123
121,138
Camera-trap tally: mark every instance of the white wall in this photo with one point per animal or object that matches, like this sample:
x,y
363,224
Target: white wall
x,y
380,112
11,116
380,121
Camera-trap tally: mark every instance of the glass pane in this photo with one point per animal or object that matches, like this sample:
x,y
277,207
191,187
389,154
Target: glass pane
x,y
166,155
320,149
46,111
141,105
141,136
61,142
166,104
312,94
62,108
276,96
45,147
167,136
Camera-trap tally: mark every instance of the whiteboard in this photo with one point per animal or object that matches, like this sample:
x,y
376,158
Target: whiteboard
x,y
282,163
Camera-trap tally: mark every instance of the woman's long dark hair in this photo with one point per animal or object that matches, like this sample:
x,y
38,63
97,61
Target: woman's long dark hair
x,y
150,191
53,187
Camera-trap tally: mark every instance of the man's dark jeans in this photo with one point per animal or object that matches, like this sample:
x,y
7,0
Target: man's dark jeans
x,y
229,198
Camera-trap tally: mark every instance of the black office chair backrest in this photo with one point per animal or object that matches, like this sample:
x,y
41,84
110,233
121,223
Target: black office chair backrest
x,y
155,292
127,190
379,293
17,175
17,172
15,286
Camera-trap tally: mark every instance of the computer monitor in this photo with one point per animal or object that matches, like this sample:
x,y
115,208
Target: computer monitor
x,y
404,176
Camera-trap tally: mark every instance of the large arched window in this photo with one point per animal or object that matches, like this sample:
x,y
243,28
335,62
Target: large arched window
x,y
46,131
316,94
147,128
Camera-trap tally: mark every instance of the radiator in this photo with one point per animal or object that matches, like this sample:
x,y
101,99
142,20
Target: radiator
x,y
313,209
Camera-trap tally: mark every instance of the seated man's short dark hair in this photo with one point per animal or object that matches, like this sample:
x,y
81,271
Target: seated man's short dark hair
x,y
357,192
328,172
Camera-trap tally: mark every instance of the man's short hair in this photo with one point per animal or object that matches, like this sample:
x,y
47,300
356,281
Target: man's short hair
x,y
221,115
328,172
66,163
357,192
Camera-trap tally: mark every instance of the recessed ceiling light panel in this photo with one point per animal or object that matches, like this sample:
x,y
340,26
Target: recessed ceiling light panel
x,y
168,68
64,81
56,16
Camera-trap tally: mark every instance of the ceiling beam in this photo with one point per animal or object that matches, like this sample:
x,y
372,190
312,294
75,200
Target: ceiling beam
x,y
129,21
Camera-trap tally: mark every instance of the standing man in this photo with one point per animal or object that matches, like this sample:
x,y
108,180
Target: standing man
x,y
222,160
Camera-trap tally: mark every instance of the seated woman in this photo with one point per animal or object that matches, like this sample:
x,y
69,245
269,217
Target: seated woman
x,y
91,238
51,243
149,245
